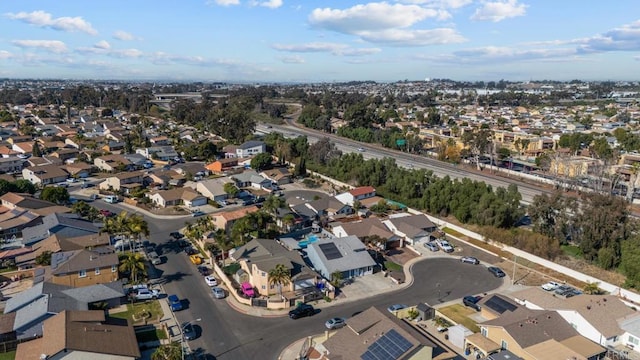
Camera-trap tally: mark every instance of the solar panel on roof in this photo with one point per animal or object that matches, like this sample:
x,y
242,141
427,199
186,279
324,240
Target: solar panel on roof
x,y
390,346
330,251
499,305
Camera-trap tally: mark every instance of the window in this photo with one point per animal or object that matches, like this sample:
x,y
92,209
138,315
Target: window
x,y
263,287
82,273
264,274
633,340
484,332
97,271
114,268
503,345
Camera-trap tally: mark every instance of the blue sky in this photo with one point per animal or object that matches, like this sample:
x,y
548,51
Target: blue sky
x,y
320,40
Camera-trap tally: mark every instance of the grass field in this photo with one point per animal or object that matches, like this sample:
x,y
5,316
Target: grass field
x,y
8,355
390,265
460,315
151,307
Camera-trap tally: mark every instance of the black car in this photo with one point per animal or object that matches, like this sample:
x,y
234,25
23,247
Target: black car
x,y
176,235
301,311
472,302
496,271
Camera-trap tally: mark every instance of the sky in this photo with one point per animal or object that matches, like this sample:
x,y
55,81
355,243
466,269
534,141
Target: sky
x,y
320,40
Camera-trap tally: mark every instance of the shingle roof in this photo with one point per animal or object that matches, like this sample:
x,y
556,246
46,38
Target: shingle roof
x,y
74,261
251,144
353,251
362,190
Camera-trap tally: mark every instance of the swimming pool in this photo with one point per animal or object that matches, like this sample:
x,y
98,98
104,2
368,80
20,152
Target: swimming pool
x,y
308,240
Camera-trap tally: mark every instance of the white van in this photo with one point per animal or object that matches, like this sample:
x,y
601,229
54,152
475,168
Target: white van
x,y
112,199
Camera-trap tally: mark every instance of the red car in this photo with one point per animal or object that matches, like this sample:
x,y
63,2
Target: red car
x,y
106,213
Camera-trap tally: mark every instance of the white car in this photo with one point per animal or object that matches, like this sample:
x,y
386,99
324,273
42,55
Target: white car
x,y
210,280
146,294
444,245
550,286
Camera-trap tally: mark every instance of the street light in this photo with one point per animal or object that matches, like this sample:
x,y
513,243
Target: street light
x,y
182,339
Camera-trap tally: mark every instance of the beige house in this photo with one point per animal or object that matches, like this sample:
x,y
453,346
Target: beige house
x,y
82,335
178,196
574,166
84,267
111,163
45,175
126,181
259,256
225,220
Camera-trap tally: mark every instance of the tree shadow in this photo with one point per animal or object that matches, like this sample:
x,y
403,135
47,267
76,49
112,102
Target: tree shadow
x,y
177,276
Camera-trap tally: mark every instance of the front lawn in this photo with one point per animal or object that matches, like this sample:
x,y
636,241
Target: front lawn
x,y
390,265
459,314
137,313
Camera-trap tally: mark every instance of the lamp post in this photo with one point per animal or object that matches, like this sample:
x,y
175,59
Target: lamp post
x,y
182,339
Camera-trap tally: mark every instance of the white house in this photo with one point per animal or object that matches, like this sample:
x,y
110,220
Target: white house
x,y
213,188
44,175
413,228
631,336
346,255
359,193
250,148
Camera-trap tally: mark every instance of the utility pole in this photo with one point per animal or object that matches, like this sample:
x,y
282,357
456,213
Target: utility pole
x,y
515,262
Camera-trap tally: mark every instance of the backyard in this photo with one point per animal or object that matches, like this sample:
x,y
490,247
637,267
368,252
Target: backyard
x,y
8,355
460,315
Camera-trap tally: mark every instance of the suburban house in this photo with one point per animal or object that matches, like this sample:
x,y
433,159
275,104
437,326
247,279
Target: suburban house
x,y
23,147
536,335
630,340
225,220
222,165
13,200
78,169
493,306
65,154
162,153
329,207
84,267
12,222
279,175
177,196
250,148
357,194
414,229
250,178
164,178
376,334
368,228
55,243
111,163
24,312
126,181
45,175
259,256
595,317
82,335
212,189
65,225
346,255
11,164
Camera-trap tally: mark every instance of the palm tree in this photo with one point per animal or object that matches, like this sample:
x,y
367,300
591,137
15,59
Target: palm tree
x,y
133,263
172,351
137,226
224,242
592,288
336,278
288,220
279,275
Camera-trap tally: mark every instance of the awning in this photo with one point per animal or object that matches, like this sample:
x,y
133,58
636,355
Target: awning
x,y
481,343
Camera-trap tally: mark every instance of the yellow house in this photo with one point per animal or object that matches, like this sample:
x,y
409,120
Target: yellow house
x,y
537,335
259,256
574,166
84,267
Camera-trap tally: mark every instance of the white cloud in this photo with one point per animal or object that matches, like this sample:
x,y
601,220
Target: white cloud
x,y
441,4
402,37
271,4
103,44
332,48
43,19
500,54
624,38
124,36
370,17
499,10
223,2
54,46
126,53
5,55
295,59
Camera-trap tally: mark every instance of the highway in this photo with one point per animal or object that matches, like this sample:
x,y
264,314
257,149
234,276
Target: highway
x,y
439,168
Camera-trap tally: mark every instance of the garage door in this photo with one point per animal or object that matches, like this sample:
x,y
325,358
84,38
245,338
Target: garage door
x,y
298,285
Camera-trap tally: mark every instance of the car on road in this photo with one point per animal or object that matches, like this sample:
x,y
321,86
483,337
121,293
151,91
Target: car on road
x,y
361,149
196,259
71,180
190,250
155,259
472,302
550,286
146,294
175,303
395,307
470,260
218,292
176,235
197,213
189,332
496,271
301,311
106,213
431,246
444,245
210,280
335,323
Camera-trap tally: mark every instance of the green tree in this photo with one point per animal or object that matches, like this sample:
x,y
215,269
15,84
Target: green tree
x,y
55,194
44,258
36,151
279,276
24,186
336,278
261,161
231,189
172,351
133,263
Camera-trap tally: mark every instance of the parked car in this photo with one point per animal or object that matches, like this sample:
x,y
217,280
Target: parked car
x,y
444,245
395,307
431,246
197,213
71,180
301,311
203,270
210,280
106,213
550,286
191,250
196,259
146,294
175,303
496,271
155,259
176,235
189,332
218,292
247,290
335,323
470,260
472,302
